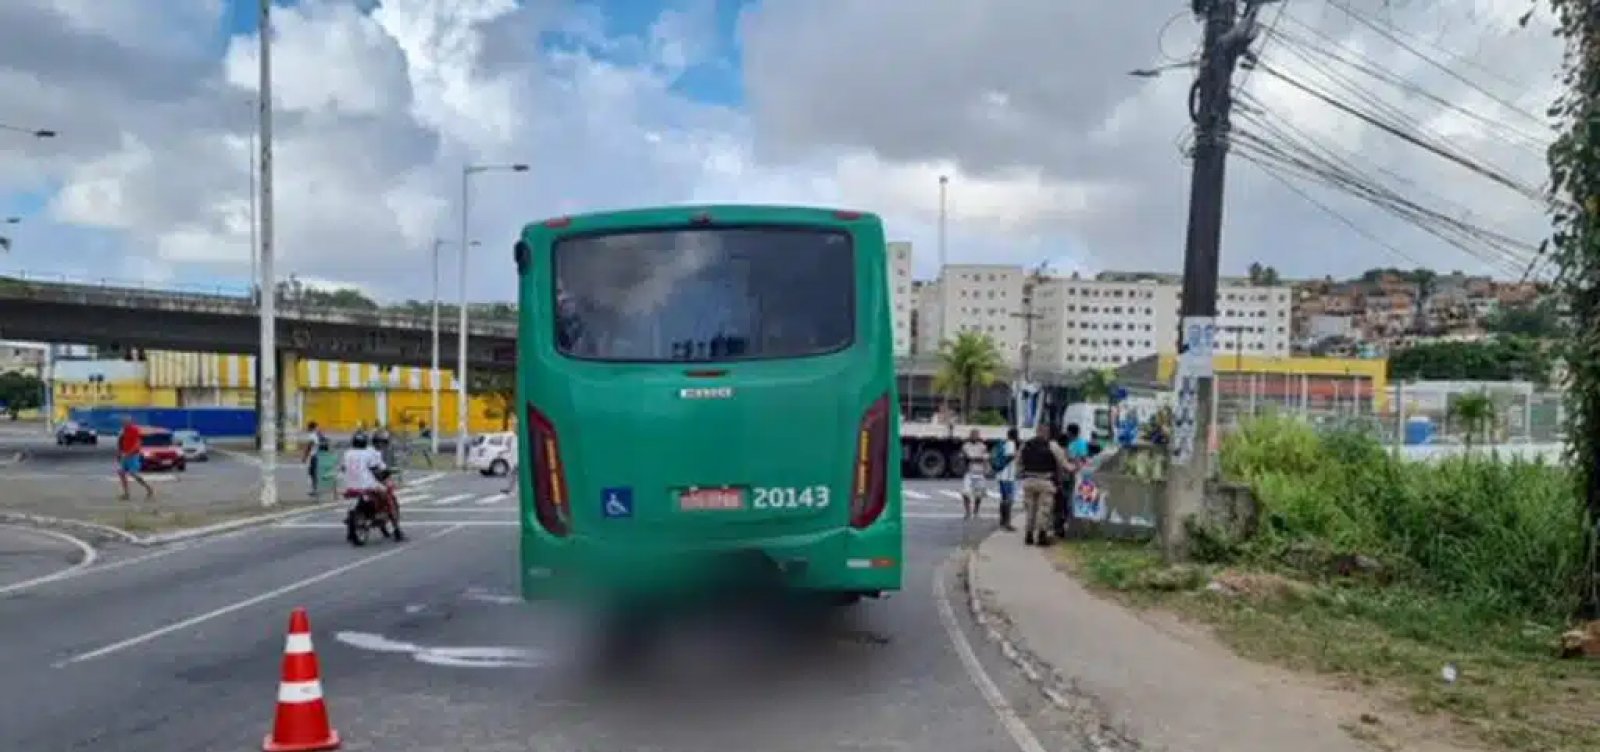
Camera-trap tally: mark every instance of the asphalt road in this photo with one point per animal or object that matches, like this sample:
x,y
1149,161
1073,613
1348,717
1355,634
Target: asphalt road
x,y
27,554
424,647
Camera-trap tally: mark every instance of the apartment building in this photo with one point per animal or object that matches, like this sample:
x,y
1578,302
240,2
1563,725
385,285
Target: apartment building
x,y
1116,319
927,321
901,298
984,298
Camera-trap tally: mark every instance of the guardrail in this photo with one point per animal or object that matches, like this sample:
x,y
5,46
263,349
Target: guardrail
x,y
243,301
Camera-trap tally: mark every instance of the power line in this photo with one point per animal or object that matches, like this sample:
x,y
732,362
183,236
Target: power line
x,y
1466,162
1364,21
1336,214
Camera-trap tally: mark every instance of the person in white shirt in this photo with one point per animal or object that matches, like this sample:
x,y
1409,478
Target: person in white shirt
x,y
975,482
1006,476
359,473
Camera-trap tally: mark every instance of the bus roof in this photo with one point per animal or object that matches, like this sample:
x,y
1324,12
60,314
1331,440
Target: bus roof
x,y
708,214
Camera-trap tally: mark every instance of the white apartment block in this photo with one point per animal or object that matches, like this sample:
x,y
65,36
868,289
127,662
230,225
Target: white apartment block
x,y
1095,323
984,298
929,319
901,299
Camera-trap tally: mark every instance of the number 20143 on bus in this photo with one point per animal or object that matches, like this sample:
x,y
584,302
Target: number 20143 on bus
x,y
808,497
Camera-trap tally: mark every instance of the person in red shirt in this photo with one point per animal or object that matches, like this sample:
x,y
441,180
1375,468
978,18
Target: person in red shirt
x,y
129,459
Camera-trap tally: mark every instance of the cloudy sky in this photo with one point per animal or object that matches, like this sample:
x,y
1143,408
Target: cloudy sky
x,y
1055,153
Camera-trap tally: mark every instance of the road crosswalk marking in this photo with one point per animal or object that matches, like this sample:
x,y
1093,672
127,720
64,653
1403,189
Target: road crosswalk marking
x,y
491,499
451,499
950,493
910,494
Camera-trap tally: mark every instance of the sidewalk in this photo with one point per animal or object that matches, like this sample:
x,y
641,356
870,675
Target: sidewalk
x,y
1168,687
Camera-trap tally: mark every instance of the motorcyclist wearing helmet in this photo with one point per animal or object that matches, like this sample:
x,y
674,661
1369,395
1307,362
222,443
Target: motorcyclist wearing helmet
x,y
362,471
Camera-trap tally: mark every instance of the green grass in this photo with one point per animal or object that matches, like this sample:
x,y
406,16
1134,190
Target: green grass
x,y
1470,561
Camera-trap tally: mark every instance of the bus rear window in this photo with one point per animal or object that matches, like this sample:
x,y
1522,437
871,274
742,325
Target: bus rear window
x,y
698,295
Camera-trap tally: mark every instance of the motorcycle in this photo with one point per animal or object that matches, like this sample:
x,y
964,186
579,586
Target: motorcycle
x,y
374,509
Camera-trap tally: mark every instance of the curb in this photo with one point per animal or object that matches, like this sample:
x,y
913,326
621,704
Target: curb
x,y
100,532
219,528
1061,691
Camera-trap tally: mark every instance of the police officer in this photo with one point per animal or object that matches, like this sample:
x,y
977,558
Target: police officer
x,y
1041,463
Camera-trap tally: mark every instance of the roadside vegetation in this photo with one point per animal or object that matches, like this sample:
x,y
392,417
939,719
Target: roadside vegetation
x,y
1449,584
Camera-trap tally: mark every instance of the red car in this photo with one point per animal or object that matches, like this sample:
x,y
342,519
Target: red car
x,y
158,450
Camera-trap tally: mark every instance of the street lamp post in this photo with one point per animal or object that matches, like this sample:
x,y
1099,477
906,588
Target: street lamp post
x,y
461,335
434,381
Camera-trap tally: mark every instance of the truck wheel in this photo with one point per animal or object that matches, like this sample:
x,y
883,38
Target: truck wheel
x,y
499,468
930,463
958,463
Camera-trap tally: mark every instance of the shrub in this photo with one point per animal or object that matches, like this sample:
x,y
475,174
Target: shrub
x,y
1499,538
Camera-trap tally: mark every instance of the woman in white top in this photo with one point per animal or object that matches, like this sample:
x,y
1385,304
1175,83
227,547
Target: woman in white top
x,y
1006,475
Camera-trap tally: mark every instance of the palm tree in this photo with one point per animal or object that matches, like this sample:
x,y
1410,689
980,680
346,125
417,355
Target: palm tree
x,y
1097,385
969,361
1476,413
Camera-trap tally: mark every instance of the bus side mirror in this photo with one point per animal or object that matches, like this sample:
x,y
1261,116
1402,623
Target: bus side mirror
x,y
520,254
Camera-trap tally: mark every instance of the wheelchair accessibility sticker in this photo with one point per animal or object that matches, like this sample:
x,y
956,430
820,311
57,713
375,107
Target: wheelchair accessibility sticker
x,y
616,503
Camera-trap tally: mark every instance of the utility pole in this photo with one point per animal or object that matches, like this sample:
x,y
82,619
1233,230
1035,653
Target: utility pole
x,y
1227,38
267,358
1030,288
944,260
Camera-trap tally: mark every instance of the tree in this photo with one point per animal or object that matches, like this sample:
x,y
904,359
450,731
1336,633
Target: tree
x,y
1476,413
1504,358
1097,385
295,292
966,363
1574,246
499,390
1255,272
1541,320
20,391
1263,276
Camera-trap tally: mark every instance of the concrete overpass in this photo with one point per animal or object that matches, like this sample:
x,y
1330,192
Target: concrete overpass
x,y
124,317
127,317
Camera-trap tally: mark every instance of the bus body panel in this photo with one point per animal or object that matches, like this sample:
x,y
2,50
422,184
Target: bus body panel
x,y
781,432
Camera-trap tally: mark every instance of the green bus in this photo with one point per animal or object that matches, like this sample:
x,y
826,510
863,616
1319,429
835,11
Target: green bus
x,y
708,398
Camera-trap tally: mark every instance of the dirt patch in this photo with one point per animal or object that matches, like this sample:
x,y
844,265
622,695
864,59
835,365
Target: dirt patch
x,y
1393,686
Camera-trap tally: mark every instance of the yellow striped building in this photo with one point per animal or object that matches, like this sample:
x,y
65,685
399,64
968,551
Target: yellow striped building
x,y
338,396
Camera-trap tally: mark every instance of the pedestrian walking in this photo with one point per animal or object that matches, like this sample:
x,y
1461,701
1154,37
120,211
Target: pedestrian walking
x,y
975,481
1041,464
129,460
316,445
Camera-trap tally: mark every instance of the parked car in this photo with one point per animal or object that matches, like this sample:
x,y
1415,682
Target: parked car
x,y
159,450
494,454
192,444
73,432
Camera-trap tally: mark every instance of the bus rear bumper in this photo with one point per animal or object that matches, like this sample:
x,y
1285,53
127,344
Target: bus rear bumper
x,y
844,562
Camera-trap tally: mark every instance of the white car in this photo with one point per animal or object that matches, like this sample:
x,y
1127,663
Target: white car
x,y
193,445
494,454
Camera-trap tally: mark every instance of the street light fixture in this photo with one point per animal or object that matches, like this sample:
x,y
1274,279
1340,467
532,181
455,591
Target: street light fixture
x,y
461,335
1159,69
434,381
35,132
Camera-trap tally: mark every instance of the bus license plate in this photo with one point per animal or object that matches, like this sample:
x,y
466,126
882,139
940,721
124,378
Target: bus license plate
x,y
710,499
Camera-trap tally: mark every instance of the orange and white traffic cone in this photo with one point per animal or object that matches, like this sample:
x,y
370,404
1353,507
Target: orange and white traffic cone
x,y
301,723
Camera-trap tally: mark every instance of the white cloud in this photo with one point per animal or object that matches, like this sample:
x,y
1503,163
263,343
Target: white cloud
x,y
1054,152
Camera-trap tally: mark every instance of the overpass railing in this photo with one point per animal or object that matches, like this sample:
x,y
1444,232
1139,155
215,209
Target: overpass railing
x,y
239,300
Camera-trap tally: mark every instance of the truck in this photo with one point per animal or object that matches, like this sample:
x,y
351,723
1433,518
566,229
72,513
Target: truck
x,y
932,449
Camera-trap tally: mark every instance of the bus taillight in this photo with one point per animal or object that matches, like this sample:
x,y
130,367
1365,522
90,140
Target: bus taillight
x,y
549,480
869,492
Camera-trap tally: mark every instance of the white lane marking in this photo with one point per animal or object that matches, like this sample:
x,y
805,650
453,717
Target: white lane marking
x,y
412,496
241,456
950,493
148,477
915,494
86,558
491,499
455,657
932,515
1019,731
451,499
423,480
246,603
